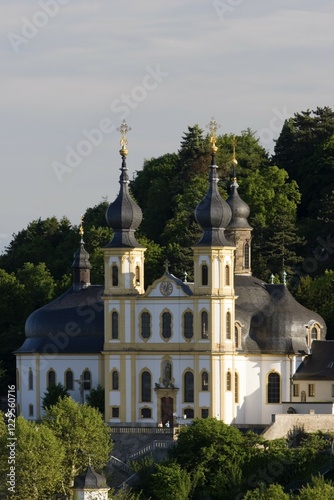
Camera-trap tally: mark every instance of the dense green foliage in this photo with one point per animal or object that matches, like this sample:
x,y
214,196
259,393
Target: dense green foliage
x,y
53,394
212,460
85,436
50,453
95,398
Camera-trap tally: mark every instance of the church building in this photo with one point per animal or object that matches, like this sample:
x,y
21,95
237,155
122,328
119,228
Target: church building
x,y
226,345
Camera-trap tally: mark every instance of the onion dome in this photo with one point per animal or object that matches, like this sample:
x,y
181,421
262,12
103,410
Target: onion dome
x,y
213,214
239,208
81,265
90,480
124,215
271,318
72,323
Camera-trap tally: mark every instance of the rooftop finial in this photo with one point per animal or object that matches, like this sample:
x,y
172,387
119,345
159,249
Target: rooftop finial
x,y
213,126
81,229
123,129
234,160
166,263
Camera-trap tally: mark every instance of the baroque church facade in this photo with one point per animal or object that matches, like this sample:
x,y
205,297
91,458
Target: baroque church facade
x,y
226,345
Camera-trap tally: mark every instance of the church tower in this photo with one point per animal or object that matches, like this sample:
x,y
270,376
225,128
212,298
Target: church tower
x,y
214,282
81,265
238,230
124,275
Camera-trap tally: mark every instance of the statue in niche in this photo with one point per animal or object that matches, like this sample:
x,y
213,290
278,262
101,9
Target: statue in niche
x,y
167,374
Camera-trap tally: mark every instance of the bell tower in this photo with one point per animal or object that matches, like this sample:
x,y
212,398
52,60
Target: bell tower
x,y
124,256
238,231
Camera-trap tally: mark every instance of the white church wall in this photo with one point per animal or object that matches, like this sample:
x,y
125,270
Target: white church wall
x,y
40,365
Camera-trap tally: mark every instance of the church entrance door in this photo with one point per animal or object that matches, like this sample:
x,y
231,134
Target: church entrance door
x,y
167,411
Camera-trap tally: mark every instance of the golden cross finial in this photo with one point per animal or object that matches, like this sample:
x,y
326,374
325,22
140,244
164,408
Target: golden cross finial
x,y
213,126
81,229
234,160
123,129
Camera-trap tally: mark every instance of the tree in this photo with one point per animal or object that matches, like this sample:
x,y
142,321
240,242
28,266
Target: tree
x,y
53,394
272,492
318,489
95,398
208,448
299,150
318,294
49,241
274,203
38,462
38,281
84,435
12,318
153,188
171,482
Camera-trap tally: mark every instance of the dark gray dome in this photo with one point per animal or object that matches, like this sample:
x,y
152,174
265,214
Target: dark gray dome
x,y
90,480
74,322
240,210
213,214
124,215
272,320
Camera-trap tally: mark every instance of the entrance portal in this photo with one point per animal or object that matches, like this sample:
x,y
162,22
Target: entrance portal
x,y
167,411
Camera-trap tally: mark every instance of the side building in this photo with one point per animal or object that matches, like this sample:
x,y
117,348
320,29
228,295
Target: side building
x,y
226,345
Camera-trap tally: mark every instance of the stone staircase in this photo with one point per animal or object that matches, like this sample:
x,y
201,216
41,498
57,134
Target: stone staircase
x,y
133,446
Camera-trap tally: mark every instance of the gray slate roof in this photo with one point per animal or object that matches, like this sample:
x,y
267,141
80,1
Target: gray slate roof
x,y
72,323
272,320
90,480
319,365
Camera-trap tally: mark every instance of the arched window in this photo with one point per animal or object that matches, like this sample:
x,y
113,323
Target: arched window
x,y
146,387
114,325
228,381
146,413
30,380
205,381
69,379
51,378
204,325
145,325
274,388
188,321
205,275
115,380
137,275
228,325
236,336
314,333
227,275
188,387
236,388
166,325
114,273
246,255
188,412
87,380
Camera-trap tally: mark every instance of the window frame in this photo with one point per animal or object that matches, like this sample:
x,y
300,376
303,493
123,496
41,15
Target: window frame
x,y
114,325
145,325
146,386
69,387
274,388
188,325
166,325
86,381
188,387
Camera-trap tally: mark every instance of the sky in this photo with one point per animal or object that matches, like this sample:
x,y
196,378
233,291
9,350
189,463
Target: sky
x,y
72,70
